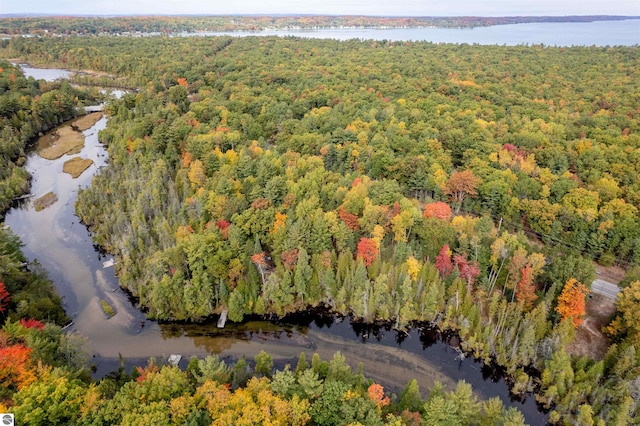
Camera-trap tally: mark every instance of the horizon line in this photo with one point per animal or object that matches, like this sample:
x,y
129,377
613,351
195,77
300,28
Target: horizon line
x,y
151,15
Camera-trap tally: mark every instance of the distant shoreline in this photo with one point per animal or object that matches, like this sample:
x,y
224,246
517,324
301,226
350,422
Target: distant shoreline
x,y
44,24
511,18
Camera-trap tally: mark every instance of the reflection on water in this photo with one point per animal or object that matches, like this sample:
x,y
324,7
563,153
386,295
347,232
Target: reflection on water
x,y
63,246
48,74
598,33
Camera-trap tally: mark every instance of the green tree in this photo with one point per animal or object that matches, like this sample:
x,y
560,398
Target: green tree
x,y
264,364
410,398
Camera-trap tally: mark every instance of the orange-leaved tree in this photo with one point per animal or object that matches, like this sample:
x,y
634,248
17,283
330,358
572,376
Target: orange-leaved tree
x,y
259,259
461,184
16,371
437,209
367,250
571,302
375,392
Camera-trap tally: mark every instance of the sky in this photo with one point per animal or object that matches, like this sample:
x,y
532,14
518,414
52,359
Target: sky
x,y
326,7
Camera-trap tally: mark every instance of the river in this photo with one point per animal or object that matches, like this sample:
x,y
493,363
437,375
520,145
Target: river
x,y
63,246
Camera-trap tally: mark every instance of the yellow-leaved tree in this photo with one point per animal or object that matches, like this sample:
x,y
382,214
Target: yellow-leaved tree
x,y
627,321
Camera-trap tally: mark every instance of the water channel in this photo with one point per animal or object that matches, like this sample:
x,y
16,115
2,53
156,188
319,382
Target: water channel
x,y
56,238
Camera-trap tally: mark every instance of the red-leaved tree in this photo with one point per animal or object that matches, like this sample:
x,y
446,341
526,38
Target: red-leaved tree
x,y
5,297
443,261
367,250
223,226
469,271
526,291
32,323
350,219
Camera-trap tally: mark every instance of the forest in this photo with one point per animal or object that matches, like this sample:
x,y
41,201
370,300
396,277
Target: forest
x,y
45,376
471,187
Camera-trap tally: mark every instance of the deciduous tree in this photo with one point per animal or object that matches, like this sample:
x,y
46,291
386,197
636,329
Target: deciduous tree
x,y
525,291
571,302
5,297
627,321
460,185
367,250
443,261
437,209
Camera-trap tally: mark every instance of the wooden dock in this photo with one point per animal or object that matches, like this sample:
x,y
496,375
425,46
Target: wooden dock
x,y
223,319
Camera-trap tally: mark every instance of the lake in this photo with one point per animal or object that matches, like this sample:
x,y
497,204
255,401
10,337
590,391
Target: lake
x,y
600,33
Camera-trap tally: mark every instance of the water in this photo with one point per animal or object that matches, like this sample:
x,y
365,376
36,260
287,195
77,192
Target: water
x,y
56,238
48,74
600,33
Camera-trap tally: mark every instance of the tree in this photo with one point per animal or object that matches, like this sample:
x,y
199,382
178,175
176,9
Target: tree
x,y
264,364
302,364
259,259
54,398
413,267
212,368
375,392
367,250
469,271
302,275
525,292
627,320
240,374
410,398
460,185
15,369
32,323
437,209
196,174
443,261
310,384
350,219
571,302
5,297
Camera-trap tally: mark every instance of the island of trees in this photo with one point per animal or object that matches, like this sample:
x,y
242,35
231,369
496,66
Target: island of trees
x,y
465,186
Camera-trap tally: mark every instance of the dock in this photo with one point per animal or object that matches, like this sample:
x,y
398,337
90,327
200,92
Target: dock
x,y
109,263
223,319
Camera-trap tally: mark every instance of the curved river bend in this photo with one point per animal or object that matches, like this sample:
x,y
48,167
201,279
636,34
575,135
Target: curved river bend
x,y
63,246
